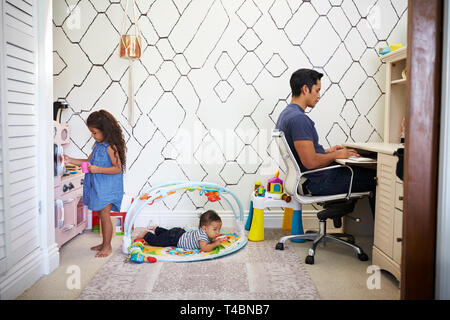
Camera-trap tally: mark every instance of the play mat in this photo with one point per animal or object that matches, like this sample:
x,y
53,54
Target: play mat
x,y
233,240
231,243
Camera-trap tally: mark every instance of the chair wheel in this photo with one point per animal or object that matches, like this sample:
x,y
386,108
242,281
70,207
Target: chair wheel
x,y
363,257
309,260
279,246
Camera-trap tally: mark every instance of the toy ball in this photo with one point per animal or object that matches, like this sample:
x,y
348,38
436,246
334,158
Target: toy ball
x,y
137,257
151,259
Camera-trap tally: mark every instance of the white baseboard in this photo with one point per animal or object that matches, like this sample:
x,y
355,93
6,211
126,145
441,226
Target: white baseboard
x,y
272,219
22,276
51,258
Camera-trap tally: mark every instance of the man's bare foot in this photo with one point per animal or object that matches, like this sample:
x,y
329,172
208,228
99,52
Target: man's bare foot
x,y
104,252
97,248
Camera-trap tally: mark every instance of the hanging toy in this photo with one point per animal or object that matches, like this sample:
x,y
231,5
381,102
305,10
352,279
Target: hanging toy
x,y
213,196
130,48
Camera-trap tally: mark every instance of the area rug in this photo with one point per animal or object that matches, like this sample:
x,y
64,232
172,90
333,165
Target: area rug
x,y
258,271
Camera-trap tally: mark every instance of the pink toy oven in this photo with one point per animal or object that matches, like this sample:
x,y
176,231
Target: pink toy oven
x,y
70,212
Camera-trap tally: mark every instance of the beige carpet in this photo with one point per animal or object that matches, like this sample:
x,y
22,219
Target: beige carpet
x,y
255,272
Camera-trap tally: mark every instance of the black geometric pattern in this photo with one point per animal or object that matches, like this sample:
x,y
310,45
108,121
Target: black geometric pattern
x,y
213,78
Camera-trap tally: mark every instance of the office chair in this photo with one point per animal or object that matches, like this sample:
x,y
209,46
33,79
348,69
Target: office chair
x,y
334,206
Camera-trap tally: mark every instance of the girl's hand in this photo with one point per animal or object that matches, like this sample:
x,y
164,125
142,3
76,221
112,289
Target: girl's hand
x,y
67,159
94,169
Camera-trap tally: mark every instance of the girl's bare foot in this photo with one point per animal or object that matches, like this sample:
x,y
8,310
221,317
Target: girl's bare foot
x,y
104,252
97,248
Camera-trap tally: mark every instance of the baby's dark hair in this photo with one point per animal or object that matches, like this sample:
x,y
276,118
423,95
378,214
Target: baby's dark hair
x,y
112,132
207,217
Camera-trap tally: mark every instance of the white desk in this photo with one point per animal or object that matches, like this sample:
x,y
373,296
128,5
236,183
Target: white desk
x,y
387,247
378,147
369,147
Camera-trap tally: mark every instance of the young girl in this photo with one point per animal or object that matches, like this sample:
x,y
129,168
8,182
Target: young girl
x,y
103,185
204,238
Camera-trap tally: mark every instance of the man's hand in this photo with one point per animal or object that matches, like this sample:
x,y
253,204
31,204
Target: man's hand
x,y
344,153
334,148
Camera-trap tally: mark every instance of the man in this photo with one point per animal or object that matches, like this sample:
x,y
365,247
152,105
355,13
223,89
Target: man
x,y
303,140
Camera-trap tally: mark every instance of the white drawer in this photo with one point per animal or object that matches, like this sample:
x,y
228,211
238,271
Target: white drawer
x,y
398,236
399,195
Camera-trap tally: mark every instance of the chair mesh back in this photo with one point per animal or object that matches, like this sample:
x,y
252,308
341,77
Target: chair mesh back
x,y
292,180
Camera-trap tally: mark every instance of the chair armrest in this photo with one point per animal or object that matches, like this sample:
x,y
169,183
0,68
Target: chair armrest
x,y
334,167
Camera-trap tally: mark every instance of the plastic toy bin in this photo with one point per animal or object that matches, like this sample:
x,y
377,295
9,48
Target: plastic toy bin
x,y
120,220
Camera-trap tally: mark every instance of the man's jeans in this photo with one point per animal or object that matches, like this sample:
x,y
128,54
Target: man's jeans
x,y
335,181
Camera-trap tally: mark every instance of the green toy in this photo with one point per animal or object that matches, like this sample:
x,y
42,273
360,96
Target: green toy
x,y
135,251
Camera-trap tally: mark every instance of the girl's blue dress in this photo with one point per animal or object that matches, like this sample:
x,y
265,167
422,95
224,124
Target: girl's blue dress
x,y
100,189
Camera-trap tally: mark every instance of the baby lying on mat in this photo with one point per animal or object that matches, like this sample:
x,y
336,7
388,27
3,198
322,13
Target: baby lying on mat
x,y
204,238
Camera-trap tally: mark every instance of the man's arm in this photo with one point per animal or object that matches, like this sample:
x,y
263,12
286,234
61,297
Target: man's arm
x,y
312,160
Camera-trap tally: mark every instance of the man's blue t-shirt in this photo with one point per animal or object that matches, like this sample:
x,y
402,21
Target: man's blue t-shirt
x,y
296,125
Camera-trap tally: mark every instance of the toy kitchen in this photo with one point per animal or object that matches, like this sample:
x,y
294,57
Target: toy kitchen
x,y
70,212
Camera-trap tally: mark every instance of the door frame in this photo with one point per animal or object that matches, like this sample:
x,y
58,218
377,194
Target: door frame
x,y
425,22
442,281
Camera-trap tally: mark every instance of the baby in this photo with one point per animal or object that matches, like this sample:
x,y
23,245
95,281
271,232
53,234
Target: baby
x,y
204,238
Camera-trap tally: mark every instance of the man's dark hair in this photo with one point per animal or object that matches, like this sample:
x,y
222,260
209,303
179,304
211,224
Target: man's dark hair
x,y
207,217
301,77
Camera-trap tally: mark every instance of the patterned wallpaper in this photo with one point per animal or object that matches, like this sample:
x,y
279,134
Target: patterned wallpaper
x,y
213,78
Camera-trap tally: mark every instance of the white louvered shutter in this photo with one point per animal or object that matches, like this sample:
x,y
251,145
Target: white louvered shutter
x,y
20,212
2,205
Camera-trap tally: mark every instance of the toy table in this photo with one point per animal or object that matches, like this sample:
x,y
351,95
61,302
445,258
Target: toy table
x,y
255,220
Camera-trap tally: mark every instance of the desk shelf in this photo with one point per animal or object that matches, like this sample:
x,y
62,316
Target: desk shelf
x,y
396,95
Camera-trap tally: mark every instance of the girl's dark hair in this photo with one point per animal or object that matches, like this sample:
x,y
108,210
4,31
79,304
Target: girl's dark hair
x,y
303,77
208,217
112,132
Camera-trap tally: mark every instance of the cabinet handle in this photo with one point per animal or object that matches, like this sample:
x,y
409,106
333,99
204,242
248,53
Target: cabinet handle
x,y
69,227
399,239
400,198
68,201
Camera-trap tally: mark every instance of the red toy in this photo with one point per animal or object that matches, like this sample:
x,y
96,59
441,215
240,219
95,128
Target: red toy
x,y
212,196
151,259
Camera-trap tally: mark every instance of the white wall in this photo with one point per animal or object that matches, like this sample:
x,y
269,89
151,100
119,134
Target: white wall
x,y
213,77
